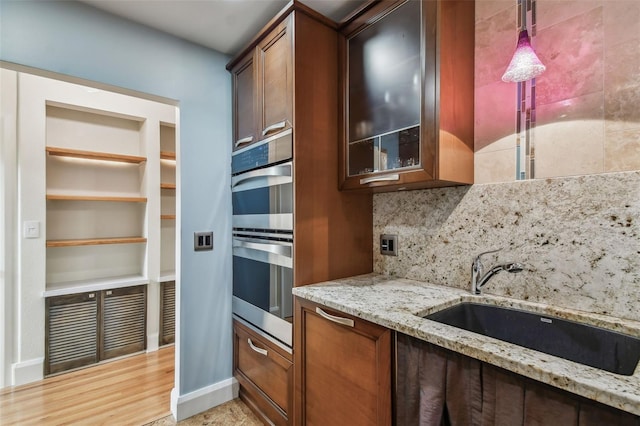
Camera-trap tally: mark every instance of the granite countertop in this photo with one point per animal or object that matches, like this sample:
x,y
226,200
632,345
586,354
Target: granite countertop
x,y
400,304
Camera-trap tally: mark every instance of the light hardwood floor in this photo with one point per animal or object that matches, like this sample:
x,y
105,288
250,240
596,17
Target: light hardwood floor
x,y
130,391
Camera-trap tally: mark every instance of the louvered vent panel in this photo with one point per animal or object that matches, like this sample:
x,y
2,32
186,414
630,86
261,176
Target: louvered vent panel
x,y
72,335
168,313
123,324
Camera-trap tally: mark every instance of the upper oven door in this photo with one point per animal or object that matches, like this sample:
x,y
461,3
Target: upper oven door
x,y
263,198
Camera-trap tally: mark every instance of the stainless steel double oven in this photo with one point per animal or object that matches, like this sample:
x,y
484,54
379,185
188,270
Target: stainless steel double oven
x,y
262,196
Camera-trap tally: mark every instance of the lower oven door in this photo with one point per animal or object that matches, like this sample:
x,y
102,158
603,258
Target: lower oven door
x,y
262,283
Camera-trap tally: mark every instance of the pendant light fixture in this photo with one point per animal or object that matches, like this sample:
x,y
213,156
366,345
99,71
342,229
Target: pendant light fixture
x,y
524,64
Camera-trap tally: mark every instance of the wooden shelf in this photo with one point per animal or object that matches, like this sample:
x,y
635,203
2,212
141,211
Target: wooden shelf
x,y
168,216
91,155
95,241
168,186
95,198
167,155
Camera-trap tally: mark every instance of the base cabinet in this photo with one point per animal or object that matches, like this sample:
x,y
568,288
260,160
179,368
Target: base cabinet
x,y
167,313
123,321
343,368
71,332
435,386
264,370
86,328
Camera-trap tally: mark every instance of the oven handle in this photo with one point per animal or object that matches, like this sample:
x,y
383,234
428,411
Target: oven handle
x,y
273,247
282,170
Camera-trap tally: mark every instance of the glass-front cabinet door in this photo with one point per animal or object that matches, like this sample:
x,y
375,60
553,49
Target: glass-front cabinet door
x,y
407,95
384,93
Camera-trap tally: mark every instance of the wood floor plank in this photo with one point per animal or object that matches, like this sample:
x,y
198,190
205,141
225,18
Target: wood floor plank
x,y
130,391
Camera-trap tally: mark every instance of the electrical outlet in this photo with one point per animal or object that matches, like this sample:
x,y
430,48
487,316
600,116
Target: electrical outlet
x,y
389,245
202,241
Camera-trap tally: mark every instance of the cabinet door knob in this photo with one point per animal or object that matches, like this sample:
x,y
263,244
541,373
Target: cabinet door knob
x,y
257,349
344,321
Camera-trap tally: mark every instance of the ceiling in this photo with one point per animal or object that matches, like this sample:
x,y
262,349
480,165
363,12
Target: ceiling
x,y
222,25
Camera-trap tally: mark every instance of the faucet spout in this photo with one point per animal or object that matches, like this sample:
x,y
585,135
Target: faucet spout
x,y
479,278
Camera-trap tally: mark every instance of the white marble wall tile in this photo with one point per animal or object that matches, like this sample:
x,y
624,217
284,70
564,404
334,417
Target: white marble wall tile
x,y
579,236
495,166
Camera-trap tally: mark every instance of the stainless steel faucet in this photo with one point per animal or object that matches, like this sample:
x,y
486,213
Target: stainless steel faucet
x,y
479,278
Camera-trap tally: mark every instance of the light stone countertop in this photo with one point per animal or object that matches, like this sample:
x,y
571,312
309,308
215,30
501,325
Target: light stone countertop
x,y
400,304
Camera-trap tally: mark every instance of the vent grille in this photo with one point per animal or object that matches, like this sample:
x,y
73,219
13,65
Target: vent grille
x,y
123,324
168,320
72,334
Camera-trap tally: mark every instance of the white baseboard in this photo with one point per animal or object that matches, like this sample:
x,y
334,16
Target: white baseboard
x,y
192,403
153,342
27,371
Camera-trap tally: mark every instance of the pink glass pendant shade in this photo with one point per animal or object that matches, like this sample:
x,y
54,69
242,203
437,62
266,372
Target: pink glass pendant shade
x,y
525,64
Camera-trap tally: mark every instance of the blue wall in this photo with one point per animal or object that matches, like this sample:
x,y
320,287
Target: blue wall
x,y
78,40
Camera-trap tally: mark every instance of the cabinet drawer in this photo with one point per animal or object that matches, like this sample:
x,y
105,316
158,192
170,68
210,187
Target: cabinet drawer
x,y
265,371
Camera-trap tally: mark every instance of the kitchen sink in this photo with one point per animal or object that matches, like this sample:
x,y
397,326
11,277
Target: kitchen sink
x,y
582,343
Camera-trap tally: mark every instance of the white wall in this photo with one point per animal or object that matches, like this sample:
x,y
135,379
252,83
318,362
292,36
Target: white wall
x,y
78,40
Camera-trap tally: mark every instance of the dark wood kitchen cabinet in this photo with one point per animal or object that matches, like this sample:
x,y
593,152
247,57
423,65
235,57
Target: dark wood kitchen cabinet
x,y
264,369
342,368
244,102
407,95
295,62
263,87
274,58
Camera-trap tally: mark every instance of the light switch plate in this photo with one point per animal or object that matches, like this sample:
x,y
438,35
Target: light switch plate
x,y
202,241
31,229
389,245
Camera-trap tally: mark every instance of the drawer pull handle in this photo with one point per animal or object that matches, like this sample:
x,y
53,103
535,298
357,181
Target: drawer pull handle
x,y
276,126
244,141
257,349
344,321
384,178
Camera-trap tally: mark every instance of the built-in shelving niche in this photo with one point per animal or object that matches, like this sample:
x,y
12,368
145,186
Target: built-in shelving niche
x,y
96,199
167,202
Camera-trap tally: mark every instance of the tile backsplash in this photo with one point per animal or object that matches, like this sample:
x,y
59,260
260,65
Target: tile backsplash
x,y
578,236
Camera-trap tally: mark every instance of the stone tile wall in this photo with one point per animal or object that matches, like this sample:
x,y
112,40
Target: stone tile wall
x,y
587,115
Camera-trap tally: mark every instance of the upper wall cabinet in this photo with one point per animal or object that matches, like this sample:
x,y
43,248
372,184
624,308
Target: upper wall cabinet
x,y
263,88
244,114
407,95
275,82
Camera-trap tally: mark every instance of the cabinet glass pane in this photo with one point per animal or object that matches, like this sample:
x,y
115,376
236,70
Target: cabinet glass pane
x,y
384,75
400,149
361,157
384,93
